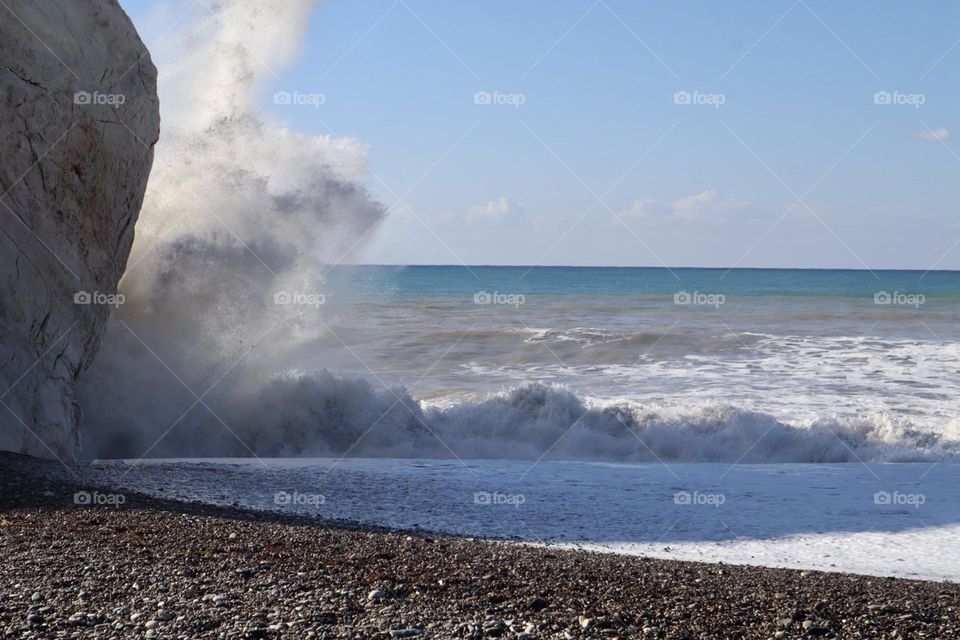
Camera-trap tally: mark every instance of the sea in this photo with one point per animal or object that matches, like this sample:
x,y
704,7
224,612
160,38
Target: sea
x,y
794,418
872,356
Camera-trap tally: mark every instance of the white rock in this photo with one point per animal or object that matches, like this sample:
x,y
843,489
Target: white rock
x,y
79,116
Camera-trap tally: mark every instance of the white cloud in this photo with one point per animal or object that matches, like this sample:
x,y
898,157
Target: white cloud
x,y
650,208
934,135
493,210
707,204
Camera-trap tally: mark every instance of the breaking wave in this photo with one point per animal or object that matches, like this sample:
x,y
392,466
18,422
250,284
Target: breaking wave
x,y
322,416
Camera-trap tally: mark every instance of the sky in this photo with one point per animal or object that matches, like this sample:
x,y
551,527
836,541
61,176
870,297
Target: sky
x,y
773,133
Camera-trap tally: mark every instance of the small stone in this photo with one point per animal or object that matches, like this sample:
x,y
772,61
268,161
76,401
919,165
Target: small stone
x,y
406,633
585,622
36,597
34,618
327,617
152,624
537,604
376,594
164,616
494,628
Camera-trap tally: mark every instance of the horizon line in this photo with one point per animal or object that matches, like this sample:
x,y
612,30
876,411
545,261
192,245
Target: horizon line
x,y
662,268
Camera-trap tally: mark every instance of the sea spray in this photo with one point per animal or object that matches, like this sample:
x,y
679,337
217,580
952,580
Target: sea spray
x,y
239,211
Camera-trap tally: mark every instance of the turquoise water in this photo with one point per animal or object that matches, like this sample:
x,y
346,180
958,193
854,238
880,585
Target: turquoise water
x,y
644,281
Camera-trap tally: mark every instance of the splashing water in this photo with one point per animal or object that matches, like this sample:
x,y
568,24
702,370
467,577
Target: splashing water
x,y
240,212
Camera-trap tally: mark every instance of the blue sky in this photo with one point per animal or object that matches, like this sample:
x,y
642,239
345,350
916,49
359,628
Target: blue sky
x,y
589,158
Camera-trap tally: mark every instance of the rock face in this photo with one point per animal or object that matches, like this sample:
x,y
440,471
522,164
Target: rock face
x,y
79,117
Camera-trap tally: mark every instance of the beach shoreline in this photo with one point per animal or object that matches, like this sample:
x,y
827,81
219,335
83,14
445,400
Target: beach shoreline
x,y
161,568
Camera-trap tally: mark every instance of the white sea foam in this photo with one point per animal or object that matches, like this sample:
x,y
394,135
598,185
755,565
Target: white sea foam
x,y
585,336
799,379
322,415
880,519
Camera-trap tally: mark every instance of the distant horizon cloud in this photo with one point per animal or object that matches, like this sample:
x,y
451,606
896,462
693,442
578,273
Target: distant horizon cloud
x,y
698,206
493,210
933,135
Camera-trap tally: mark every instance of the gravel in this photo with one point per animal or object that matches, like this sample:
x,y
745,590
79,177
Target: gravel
x,y
163,569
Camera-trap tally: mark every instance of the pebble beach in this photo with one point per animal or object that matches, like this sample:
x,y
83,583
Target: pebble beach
x,y
151,568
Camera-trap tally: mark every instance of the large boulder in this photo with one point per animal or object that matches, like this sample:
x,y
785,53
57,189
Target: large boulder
x,y
79,117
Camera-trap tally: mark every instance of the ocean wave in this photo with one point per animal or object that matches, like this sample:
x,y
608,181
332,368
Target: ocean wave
x,y
585,336
321,415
